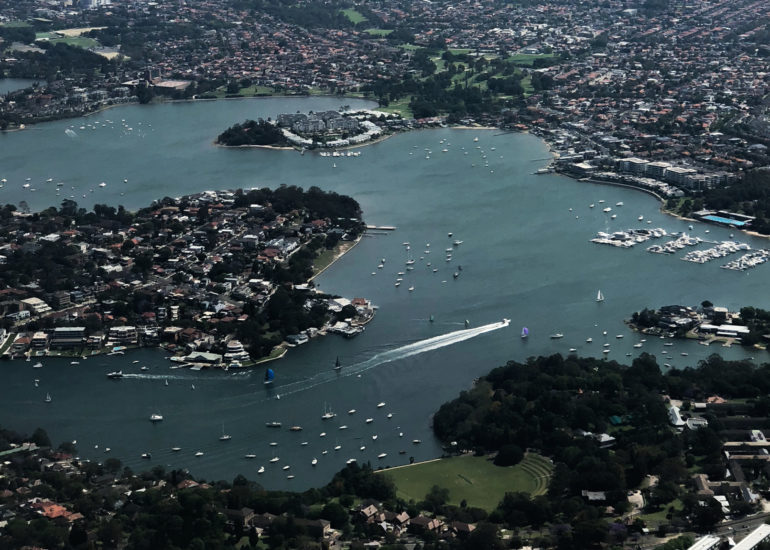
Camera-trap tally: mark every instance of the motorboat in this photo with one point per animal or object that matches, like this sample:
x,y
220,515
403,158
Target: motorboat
x,y
295,429
589,340
115,374
176,449
382,455
261,470
557,335
416,441
199,454
274,459
380,404
273,424
314,462
146,456
352,411
37,365
250,456
369,420
155,417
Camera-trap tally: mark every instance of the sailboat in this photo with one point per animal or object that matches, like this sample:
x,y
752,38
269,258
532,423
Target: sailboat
x,y
599,296
48,398
224,436
337,365
269,376
524,332
327,413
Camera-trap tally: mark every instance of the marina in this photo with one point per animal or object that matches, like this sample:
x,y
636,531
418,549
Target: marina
x,y
721,250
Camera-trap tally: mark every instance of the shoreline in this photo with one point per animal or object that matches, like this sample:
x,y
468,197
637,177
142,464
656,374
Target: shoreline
x,y
379,139
315,150
344,250
662,209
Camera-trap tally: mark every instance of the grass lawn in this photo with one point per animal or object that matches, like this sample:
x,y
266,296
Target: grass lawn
x,y
526,83
354,16
473,478
409,47
460,51
660,517
15,24
528,58
401,107
256,90
77,41
379,32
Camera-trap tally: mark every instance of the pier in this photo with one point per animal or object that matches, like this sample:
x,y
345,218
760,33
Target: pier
x,y
380,228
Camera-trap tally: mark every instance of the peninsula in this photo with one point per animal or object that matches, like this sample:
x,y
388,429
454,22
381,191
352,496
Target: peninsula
x,y
219,278
707,323
327,130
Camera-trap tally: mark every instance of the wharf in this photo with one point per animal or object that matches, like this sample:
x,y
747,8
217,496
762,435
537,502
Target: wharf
x,y
381,228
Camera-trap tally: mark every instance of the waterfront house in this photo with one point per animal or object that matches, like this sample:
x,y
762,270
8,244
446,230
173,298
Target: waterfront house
x,y
67,337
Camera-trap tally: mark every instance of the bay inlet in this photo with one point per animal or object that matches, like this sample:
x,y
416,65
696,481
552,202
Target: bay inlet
x,y
524,256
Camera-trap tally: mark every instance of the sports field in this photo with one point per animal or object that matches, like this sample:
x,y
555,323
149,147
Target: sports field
x,y
474,479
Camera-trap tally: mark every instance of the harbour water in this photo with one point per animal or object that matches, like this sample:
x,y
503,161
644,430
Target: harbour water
x,y
525,256
13,84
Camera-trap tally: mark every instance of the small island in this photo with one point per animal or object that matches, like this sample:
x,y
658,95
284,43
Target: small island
x,y
219,278
324,130
708,324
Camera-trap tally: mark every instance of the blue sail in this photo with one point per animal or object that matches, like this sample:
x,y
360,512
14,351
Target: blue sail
x,y
524,332
269,375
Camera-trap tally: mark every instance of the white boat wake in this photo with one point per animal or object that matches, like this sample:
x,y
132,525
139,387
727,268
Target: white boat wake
x,y
415,348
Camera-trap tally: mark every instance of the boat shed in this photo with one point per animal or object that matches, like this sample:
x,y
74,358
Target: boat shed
x,y
203,358
731,331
